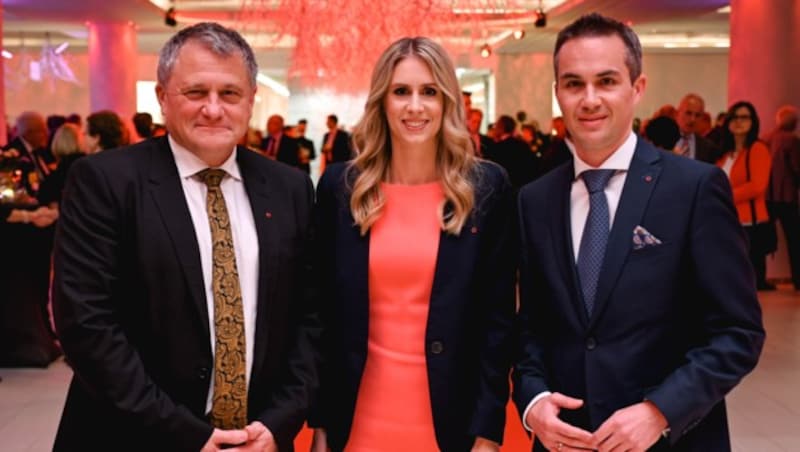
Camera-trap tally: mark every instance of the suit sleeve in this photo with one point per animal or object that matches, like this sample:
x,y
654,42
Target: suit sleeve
x,y
289,405
87,266
324,224
529,370
729,312
497,270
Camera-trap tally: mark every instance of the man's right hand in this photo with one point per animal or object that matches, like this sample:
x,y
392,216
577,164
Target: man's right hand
x,y
320,441
552,432
221,438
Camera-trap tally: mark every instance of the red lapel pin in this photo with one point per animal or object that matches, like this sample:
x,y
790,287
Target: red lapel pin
x,y
268,214
474,230
648,178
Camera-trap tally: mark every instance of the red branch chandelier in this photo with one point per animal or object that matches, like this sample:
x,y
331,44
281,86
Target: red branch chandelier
x,y
336,42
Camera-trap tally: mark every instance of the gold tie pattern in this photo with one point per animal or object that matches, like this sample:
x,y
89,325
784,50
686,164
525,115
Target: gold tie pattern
x,y
229,401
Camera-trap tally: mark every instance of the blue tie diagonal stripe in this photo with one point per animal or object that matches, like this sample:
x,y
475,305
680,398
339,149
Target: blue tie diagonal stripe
x,y
595,235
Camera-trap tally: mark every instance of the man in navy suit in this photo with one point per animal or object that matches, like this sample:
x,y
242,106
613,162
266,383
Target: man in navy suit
x,y
638,305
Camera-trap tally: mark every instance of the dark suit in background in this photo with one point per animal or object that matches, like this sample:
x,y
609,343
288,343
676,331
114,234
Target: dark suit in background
x,y
341,150
287,149
706,150
677,324
469,321
782,193
308,145
131,305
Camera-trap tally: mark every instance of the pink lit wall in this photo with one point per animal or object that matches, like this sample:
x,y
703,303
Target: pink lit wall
x,y
765,55
112,75
3,134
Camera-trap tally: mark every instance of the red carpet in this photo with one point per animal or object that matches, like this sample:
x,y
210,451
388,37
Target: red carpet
x,y
515,439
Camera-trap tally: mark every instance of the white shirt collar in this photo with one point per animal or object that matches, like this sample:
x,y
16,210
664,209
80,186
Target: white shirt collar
x,y
619,160
189,164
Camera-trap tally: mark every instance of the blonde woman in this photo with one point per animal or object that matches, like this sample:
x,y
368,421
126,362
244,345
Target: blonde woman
x,y
416,256
67,147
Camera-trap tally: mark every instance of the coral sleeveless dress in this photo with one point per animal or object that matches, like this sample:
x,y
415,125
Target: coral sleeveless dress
x,y
393,410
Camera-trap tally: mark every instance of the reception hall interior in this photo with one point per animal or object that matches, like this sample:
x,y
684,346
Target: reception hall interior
x,y
89,62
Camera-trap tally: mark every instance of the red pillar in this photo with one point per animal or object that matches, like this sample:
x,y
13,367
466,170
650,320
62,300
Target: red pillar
x,y
764,58
112,68
3,133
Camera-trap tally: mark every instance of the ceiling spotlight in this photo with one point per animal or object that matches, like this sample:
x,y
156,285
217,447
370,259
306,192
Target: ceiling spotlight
x,y
169,18
518,34
486,51
7,55
541,18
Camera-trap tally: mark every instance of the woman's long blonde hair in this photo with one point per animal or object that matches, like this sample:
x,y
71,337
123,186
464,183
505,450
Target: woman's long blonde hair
x,y
455,161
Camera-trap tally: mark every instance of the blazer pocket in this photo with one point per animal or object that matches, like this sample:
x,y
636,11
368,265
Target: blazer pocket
x,y
650,251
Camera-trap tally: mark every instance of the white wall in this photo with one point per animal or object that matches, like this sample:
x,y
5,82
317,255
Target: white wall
x,y
524,82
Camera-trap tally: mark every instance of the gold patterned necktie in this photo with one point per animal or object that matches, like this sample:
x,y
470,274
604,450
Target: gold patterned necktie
x,y
229,401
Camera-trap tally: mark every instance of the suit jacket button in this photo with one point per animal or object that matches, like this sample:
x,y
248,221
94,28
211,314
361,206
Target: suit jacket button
x,y
437,347
591,343
202,373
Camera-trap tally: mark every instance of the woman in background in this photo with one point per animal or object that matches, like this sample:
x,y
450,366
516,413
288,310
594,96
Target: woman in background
x,y
418,271
747,163
67,148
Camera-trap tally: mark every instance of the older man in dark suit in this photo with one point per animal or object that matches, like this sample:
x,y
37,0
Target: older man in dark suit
x,y
692,144
638,305
181,277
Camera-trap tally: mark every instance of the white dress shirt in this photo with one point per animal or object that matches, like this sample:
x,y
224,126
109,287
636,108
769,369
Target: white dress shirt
x,y
620,161
245,239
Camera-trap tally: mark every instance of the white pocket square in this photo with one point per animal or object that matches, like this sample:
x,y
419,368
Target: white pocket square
x,y
642,238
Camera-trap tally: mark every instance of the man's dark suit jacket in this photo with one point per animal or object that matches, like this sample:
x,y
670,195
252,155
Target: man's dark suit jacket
x,y
678,324
342,150
516,157
303,142
785,173
469,322
706,150
131,312
287,150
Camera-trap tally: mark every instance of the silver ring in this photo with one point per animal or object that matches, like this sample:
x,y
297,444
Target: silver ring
x,y
559,445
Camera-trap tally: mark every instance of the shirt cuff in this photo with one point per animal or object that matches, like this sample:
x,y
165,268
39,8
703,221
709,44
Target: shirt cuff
x,y
538,397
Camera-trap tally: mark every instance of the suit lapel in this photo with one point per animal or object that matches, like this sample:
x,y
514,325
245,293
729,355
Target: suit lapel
x,y
167,192
262,205
561,230
641,179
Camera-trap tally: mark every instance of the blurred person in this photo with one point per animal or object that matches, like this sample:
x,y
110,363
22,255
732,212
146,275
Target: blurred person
x,y
336,146
67,148
692,144
182,292
663,132
28,152
512,153
482,144
417,236
306,146
638,312
782,196
277,145
747,163
143,123
104,130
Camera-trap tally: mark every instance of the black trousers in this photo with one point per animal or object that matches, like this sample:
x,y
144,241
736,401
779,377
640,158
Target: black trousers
x,y
789,216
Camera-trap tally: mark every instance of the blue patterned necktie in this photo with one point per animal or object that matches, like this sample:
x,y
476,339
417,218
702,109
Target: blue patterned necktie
x,y
595,235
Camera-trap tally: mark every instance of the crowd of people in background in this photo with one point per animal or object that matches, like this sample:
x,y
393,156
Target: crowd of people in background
x,y
764,184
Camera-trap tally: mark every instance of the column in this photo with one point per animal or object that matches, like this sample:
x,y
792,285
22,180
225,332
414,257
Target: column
x,y
764,55
763,67
3,133
112,68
